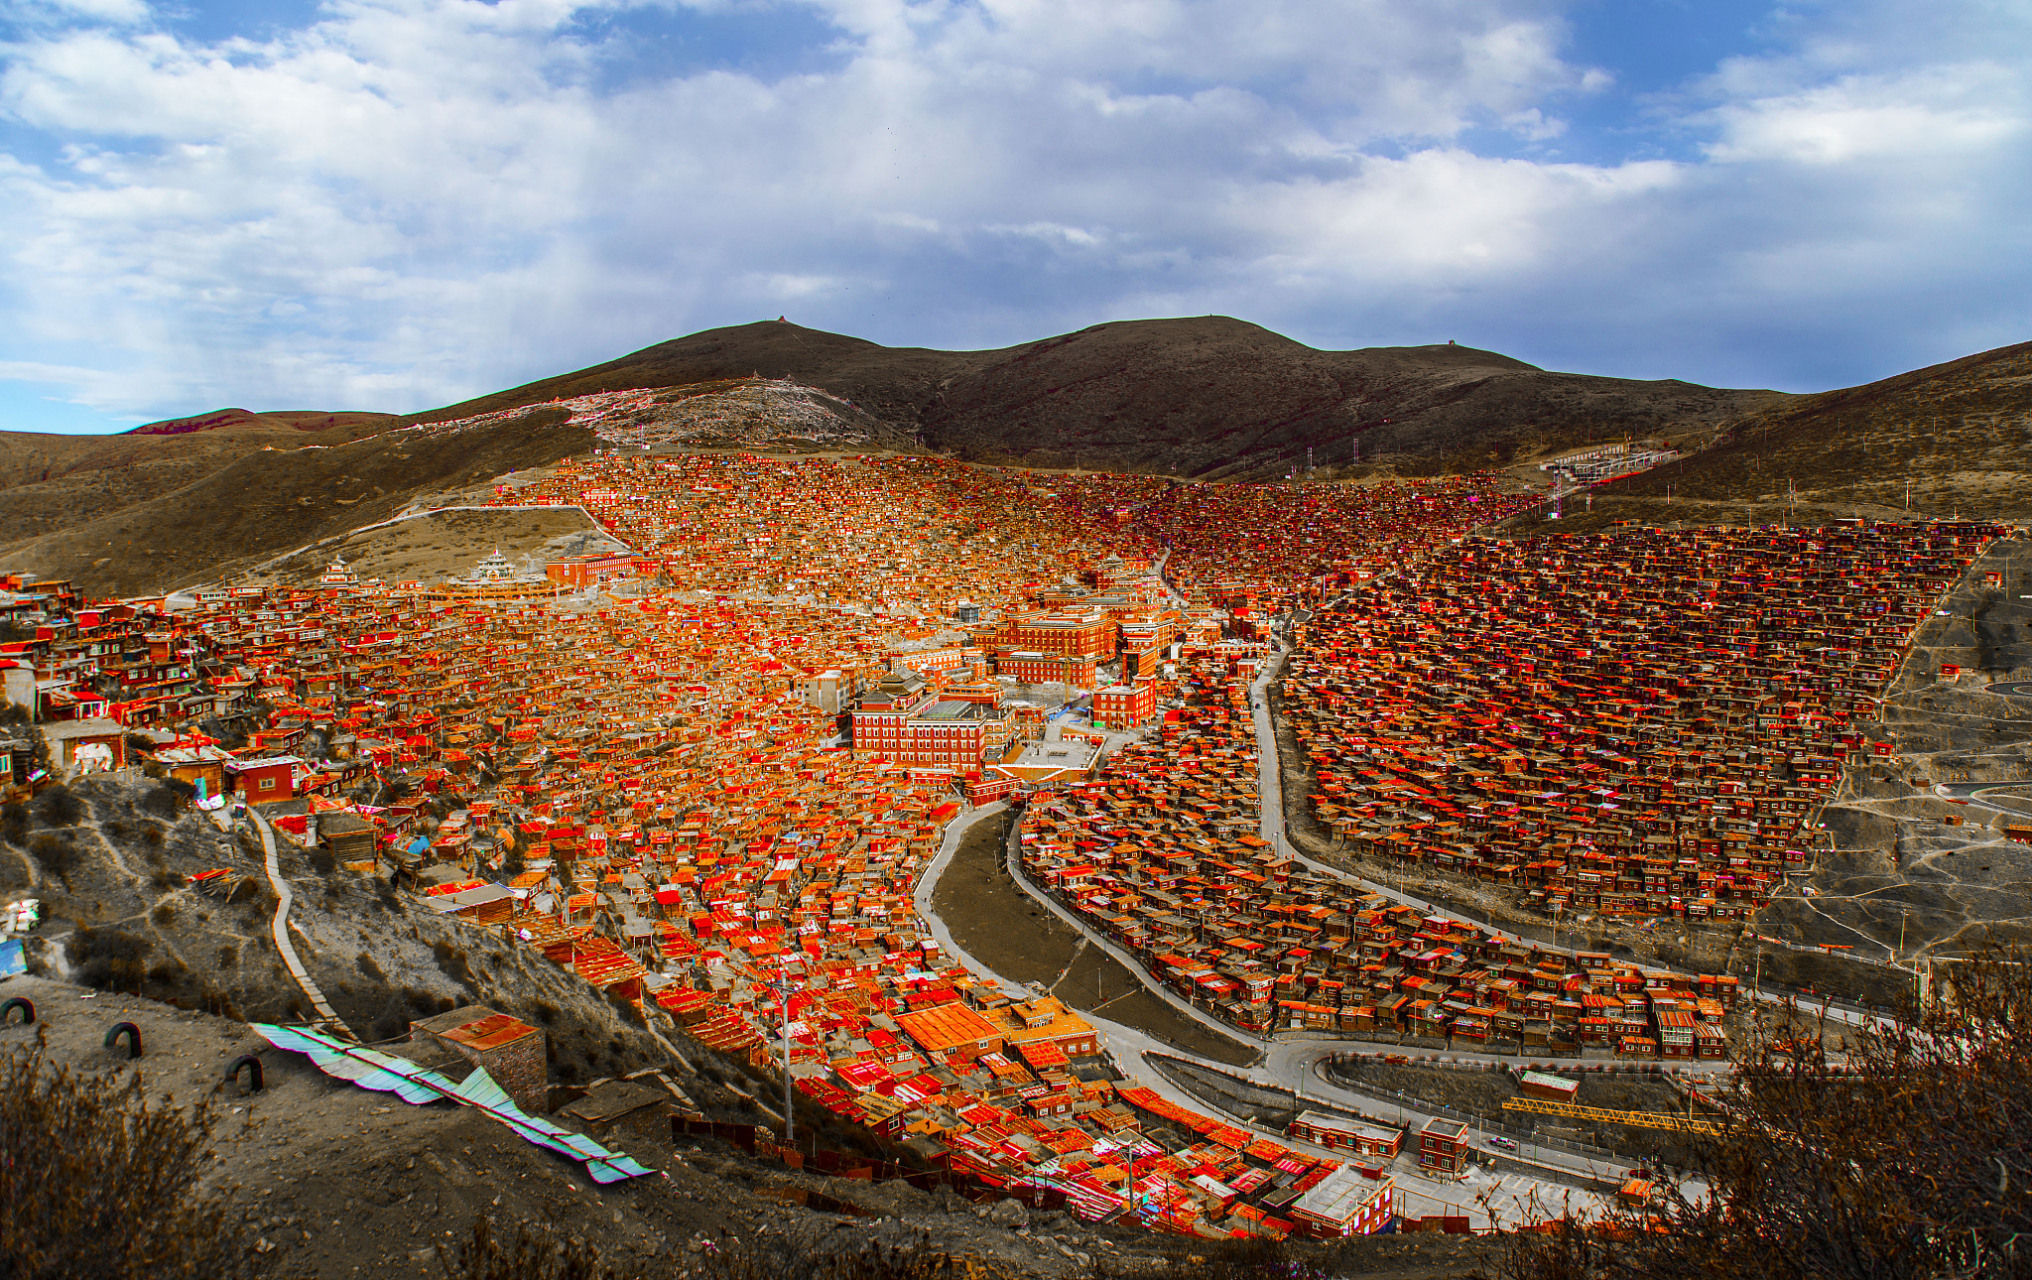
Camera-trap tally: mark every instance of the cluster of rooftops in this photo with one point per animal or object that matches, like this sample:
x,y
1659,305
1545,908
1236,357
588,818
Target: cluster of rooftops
x,y
643,790
1636,724
1159,854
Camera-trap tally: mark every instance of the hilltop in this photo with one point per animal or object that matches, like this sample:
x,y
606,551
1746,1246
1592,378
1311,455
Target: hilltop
x,y
193,499
1208,397
275,419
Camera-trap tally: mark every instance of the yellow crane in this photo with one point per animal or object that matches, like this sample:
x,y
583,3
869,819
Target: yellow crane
x,y
1602,1115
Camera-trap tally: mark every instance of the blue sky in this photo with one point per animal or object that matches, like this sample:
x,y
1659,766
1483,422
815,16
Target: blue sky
x,y
395,204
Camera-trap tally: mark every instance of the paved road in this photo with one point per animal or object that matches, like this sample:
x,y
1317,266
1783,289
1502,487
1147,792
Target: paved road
x,y
1292,1064
1511,1194
1270,787
1992,797
928,883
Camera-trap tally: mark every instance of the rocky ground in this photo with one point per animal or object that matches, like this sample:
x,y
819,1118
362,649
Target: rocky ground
x,y
110,861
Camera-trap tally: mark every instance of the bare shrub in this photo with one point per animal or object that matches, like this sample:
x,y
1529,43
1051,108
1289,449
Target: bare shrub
x,y
529,1254
58,807
167,800
14,824
54,851
109,958
94,1181
1902,1153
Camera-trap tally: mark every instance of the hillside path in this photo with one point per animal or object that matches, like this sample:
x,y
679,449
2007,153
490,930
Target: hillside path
x,y
279,927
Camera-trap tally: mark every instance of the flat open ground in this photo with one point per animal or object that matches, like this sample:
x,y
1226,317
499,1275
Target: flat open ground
x,y
997,922
430,548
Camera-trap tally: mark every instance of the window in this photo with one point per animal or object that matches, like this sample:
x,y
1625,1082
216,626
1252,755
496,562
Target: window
x,y
267,784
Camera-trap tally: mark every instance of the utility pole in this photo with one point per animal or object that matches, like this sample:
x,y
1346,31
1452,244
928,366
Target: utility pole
x,y
782,988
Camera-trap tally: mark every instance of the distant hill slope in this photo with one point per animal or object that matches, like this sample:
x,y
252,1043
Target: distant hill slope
x,y
49,482
249,504
284,420
1208,397
1959,433
1211,398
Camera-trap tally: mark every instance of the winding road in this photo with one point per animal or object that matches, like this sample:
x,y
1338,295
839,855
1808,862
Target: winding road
x,y
1293,1064
1271,790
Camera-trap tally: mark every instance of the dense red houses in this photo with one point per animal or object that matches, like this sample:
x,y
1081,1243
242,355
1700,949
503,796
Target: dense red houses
x,y
1632,723
657,791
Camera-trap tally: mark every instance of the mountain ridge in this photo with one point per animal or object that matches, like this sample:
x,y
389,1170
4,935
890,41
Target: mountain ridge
x,y
1206,397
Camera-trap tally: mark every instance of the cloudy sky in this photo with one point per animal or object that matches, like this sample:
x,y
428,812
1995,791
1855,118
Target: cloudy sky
x,y
394,204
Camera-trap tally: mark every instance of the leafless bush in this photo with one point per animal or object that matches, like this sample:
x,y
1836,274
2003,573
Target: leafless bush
x,y
109,958
921,1259
58,807
1903,1153
1252,1259
54,851
96,1182
529,1254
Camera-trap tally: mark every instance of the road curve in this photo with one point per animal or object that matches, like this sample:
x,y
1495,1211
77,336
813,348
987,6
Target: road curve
x,y
1270,789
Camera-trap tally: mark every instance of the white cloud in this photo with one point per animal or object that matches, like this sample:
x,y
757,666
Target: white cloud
x,y
414,200
1928,112
126,12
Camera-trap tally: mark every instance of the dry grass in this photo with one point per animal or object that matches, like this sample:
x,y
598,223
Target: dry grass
x,y
97,1181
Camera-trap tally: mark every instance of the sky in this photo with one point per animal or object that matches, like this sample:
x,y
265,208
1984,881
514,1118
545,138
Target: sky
x,y
398,204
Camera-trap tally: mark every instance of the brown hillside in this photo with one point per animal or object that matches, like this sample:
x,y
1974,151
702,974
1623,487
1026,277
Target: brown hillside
x,y
1960,433
285,420
1209,396
51,481
270,501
